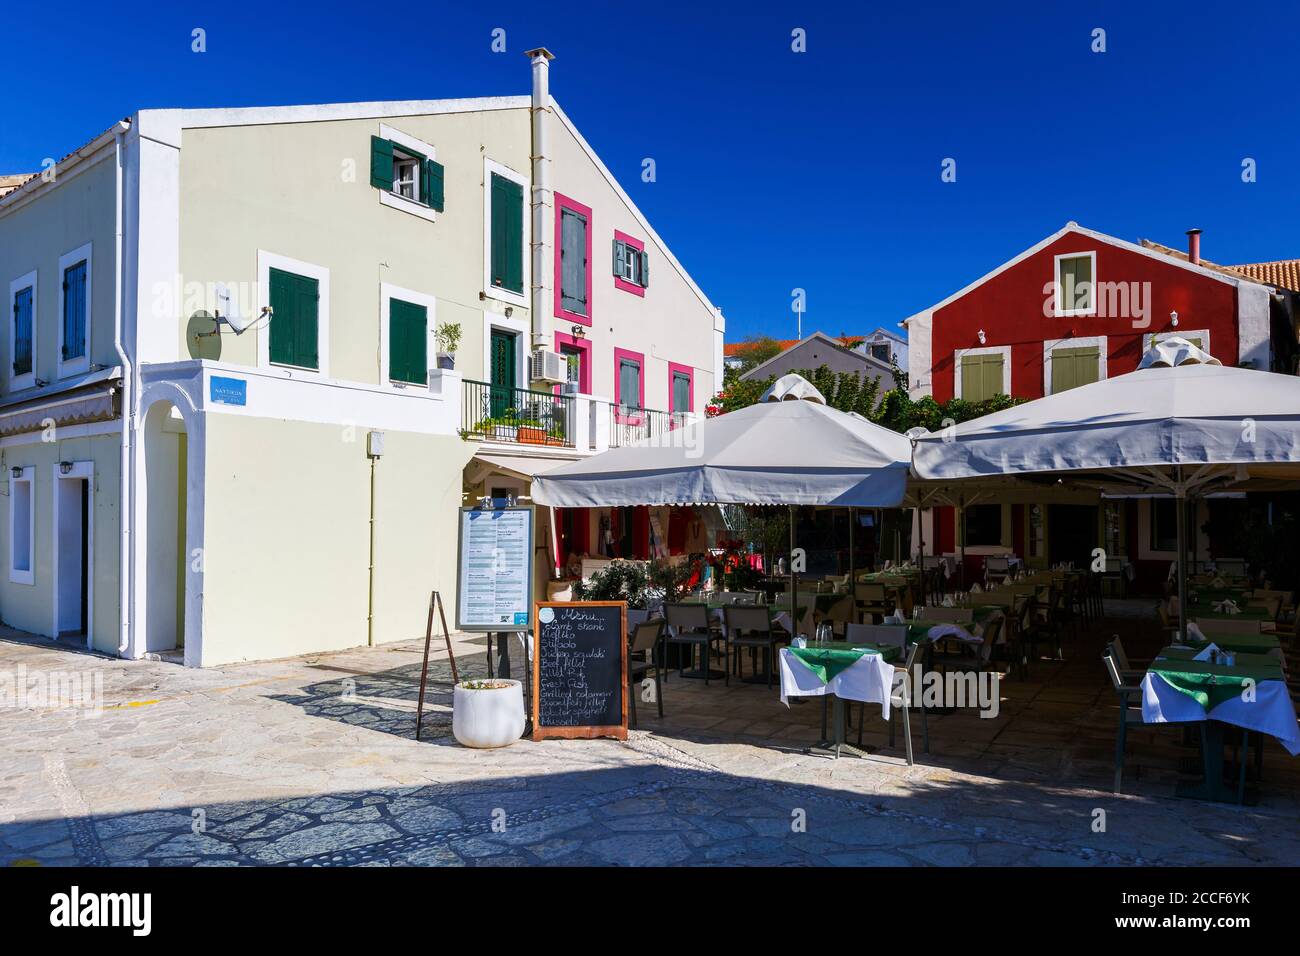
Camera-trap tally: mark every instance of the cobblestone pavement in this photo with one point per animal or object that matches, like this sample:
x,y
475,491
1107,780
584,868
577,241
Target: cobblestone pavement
x,y
312,762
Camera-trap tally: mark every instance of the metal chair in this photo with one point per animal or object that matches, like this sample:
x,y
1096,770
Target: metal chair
x,y
882,635
1130,708
945,615
691,628
749,627
645,651
996,569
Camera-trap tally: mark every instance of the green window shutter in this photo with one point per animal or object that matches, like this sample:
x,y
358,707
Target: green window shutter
x,y
629,383
408,342
981,377
618,257
645,269
507,246
431,184
1073,367
295,308
381,163
681,397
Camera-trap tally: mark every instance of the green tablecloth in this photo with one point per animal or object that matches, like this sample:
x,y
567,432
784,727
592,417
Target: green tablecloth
x,y
1212,684
1197,611
1249,643
828,659
1213,595
1244,658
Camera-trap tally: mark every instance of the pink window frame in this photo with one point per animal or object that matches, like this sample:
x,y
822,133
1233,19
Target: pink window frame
x,y
689,372
583,346
564,202
619,281
619,401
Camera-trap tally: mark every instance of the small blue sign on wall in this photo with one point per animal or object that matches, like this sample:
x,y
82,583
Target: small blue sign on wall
x,y
228,391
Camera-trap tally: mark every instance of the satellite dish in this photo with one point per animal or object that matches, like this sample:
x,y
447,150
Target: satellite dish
x,y
228,310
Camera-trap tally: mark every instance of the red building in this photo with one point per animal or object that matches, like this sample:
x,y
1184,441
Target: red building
x,y
1072,309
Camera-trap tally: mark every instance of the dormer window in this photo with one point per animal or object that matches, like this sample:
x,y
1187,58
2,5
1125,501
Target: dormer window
x,y
1076,276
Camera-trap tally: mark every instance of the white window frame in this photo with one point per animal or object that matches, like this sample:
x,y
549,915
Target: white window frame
x,y
1057,308
387,293
392,199
266,261
15,575
1003,350
17,382
82,364
1052,345
1151,338
518,299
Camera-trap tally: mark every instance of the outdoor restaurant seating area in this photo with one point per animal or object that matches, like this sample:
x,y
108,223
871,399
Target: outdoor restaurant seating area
x,y
1071,669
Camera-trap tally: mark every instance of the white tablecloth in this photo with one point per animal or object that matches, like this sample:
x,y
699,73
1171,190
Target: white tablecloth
x,y
1270,713
869,679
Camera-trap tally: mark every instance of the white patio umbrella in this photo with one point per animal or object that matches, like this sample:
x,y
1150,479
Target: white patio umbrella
x,y
1182,424
788,449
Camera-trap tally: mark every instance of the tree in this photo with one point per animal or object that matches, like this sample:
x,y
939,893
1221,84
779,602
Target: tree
x,y
755,350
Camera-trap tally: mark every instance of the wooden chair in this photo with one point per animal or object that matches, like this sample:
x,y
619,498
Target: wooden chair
x,y
749,627
645,651
870,599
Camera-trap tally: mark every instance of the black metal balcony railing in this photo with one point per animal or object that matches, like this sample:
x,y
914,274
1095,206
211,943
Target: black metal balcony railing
x,y
628,424
516,415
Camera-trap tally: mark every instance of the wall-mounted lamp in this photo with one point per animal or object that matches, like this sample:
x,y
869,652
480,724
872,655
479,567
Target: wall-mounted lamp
x,y
982,337
65,467
16,471
510,310
1173,319
579,332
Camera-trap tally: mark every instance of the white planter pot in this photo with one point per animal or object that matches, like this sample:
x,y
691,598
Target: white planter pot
x,y
488,718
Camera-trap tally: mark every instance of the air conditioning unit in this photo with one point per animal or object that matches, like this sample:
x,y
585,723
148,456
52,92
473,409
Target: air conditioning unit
x,y
548,367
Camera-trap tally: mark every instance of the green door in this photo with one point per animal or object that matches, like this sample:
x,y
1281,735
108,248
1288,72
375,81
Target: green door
x,y
503,371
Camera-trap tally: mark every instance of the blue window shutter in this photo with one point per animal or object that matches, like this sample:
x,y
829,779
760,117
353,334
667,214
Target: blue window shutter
x,y
22,362
74,311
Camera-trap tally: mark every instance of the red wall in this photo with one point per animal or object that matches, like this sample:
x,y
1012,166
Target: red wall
x,y
1009,308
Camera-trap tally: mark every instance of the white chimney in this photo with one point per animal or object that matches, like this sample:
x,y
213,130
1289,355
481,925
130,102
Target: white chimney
x,y
542,204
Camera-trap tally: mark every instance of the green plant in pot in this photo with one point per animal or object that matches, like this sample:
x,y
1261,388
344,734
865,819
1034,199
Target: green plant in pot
x,y
448,337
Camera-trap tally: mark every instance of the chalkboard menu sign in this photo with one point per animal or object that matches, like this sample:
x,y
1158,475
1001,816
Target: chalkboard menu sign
x,y
580,669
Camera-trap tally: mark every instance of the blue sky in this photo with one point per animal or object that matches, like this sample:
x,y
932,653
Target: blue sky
x,y
776,170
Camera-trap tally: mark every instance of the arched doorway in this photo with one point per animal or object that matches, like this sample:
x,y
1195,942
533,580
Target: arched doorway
x,y
162,548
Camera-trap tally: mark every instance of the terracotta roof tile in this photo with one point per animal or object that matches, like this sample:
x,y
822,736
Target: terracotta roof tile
x,y
1284,273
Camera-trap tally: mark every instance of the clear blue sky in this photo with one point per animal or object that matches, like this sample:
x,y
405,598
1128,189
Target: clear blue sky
x,y
776,170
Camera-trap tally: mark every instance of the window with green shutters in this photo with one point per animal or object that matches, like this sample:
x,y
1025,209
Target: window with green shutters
x,y
681,393
507,214
22,363
407,173
408,342
1074,285
981,376
74,311
1075,366
295,320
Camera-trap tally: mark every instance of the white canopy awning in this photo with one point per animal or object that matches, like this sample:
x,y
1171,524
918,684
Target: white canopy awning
x,y
789,449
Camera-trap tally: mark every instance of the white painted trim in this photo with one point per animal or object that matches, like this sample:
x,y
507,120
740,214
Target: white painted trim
x,y
520,326
627,201
17,382
387,293
1050,345
402,204
391,199
407,141
28,576
1057,310
517,299
81,364
1074,227
1151,338
81,470
265,262
1003,350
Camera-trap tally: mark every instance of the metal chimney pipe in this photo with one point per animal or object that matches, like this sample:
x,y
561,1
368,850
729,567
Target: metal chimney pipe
x,y
1194,246
542,204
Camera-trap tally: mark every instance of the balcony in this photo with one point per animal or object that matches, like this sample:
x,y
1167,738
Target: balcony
x,y
628,425
498,413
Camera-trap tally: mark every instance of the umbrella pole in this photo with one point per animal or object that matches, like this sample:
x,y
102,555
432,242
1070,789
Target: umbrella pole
x,y
1182,560
853,568
794,580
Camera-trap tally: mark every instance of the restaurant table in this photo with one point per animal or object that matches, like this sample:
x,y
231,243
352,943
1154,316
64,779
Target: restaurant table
x,y
846,671
1249,643
1245,613
1248,694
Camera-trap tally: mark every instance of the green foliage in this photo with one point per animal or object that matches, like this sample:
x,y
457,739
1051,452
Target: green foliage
x,y
448,336
636,582
756,350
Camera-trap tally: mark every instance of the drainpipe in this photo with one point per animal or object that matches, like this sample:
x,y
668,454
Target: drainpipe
x,y
542,204
127,411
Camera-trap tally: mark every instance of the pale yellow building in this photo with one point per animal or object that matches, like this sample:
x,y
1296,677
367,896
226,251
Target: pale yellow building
x,y
223,325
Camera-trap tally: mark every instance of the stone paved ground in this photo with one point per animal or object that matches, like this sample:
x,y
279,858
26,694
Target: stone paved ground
x,y
312,761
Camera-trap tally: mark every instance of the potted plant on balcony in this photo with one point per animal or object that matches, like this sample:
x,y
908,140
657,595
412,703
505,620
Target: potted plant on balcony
x,y
487,713
531,432
448,336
